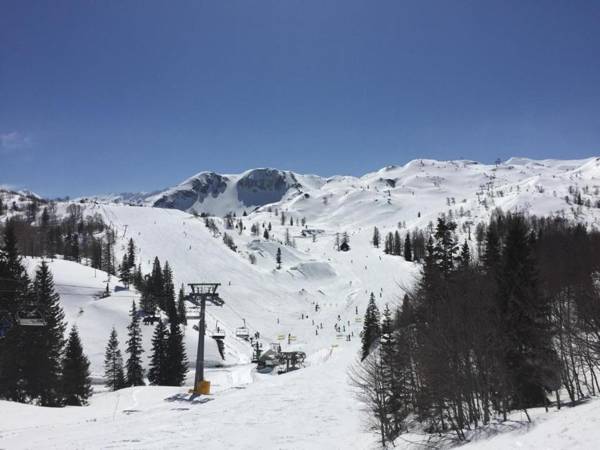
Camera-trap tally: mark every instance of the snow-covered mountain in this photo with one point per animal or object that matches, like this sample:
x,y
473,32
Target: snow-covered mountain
x,y
419,189
212,193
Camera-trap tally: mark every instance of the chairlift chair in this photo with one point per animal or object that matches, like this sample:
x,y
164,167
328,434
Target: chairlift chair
x,y
192,313
242,332
218,332
30,318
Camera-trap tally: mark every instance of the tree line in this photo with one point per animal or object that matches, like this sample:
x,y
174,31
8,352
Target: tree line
x,y
412,247
87,239
477,339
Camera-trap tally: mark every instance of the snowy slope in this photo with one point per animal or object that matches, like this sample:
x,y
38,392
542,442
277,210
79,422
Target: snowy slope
x,y
311,408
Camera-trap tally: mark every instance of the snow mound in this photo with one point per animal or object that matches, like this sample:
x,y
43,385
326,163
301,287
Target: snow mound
x,y
315,269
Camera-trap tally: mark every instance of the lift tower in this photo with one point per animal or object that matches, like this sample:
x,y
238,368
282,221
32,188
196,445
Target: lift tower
x,y
202,293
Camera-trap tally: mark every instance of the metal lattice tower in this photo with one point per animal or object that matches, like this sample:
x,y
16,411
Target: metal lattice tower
x,y
200,295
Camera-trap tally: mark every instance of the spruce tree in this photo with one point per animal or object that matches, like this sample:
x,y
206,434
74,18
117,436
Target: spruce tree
x,y
407,248
375,237
133,366
96,254
107,257
159,358
43,370
388,247
491,256
278,258
168,296
138,278
181,313
397,244
445,248
15,287
465,255
371,330
124,271
155,285
389,363
131,254
176,360
113,363
76,381
526,334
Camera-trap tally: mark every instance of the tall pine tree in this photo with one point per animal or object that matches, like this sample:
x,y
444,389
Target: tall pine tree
x,y
408,248
15,287
371,330
159,358
76,381
181,306
113,363
43,370
176,363
133,366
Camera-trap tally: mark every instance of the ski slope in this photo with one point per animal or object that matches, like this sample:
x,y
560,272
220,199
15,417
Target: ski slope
x,y
313,407
309,408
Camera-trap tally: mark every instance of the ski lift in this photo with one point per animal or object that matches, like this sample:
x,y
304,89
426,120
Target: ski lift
x,y
243,332
30,318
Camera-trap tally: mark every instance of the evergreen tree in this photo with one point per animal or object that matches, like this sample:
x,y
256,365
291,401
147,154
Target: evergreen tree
x,y
491,256
176,363
156,286
465,255
138,278
134,370
345,243
389,363
131,254
181,306
388,247
278,258
124,271
76,381
96,254
43,370
107,257
375,237
445,248
397,244
15,288
407,248
527,340
168,296
159,358
371,330
113,363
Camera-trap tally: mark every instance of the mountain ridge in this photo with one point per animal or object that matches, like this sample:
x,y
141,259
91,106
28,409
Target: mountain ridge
x,y
210,192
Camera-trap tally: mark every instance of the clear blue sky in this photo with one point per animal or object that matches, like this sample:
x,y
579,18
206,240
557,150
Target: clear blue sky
x,y
110,96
